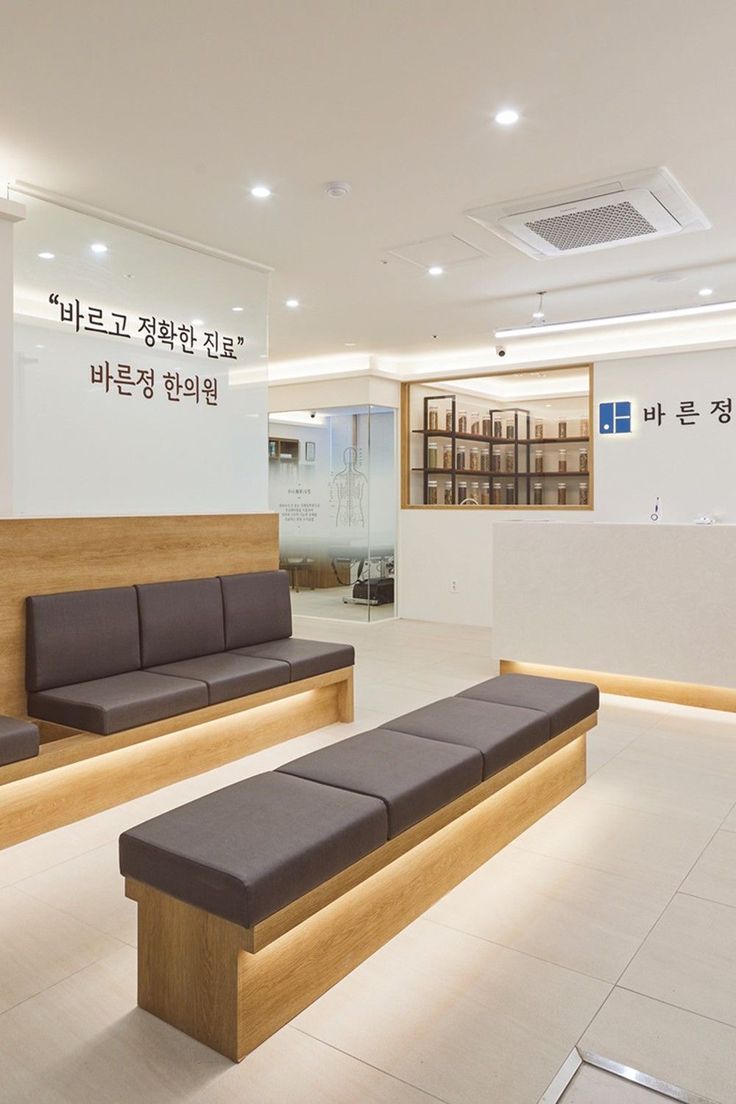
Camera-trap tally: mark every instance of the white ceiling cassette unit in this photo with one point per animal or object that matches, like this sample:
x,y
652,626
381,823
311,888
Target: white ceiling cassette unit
x,y
634,207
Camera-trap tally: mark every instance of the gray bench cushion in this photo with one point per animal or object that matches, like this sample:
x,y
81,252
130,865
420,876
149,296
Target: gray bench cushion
x,y
227,675
565,703
257,608
180,620
306,658
18,740
501,733
122,701
413,777
80,635
247,850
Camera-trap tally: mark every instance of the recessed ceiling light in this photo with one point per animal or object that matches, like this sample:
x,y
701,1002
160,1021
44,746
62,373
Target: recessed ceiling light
x,y
705,292
507,116
292,303
40,346
435,270
264,356
238,309
260,191
98,247
46,256
349,344
198,321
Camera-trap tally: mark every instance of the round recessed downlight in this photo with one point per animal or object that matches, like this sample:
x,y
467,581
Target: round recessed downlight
x,y
349,344
435,270
46,256
292,304
198,321
507,116
238,309
260,191
98,247
705,292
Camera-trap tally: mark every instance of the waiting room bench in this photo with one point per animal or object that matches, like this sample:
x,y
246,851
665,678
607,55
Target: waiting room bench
x,y
256,899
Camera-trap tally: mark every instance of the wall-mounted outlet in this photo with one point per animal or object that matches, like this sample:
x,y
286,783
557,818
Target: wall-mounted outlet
x,y
453,586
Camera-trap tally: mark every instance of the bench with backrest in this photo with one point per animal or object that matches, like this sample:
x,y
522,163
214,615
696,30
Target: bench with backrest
x,y
110,660
254,900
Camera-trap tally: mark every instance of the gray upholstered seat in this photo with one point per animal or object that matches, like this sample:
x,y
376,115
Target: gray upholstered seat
x,y
413,777
306,658
248,850
564,702
501,733
108,705
18,740
228,675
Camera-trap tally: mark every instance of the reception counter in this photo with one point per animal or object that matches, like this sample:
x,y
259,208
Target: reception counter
x,y
645,610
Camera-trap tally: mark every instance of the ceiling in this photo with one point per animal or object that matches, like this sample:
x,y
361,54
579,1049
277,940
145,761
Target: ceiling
x,y
170,114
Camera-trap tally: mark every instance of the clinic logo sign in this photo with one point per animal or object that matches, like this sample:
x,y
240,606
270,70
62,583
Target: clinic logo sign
x,y
614,417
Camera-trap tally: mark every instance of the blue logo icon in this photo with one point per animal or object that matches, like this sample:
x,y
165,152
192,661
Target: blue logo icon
x,y
614,417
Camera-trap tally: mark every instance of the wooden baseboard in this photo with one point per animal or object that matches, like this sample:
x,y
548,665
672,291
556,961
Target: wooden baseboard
x,y
632,686
83,775
195,973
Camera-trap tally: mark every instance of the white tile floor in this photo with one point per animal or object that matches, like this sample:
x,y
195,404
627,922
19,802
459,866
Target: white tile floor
x,y
610,923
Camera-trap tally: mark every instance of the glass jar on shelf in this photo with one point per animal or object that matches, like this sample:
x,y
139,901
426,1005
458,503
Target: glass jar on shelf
x,y
475,423
583,459
497,427
485,495
497,495
510,428
447,456
486,426
433,418
448,419
583,494
538,428
475,459
432,492
539,460
538,494
562,460
485,459
584,427
432,454
562,430
475,492
562,494
495,460
448,492
462,457
462,491
462,422
509,460
510,494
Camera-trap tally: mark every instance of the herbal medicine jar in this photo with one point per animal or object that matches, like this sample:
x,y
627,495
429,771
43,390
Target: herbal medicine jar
x,y
584,427
538,494
497,500
432,454
509,460
462,457
448,493
539,460
510,429
447,456
498,428
562,430
487,426
510,494
448,419
538,428
462,422
562,494
432,492
485,495
475,424
562,460
495,460
475,492
583,494
485,460
583,460
433,418
462,492
475,459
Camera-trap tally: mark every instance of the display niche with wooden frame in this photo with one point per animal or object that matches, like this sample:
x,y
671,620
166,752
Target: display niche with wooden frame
x,y
504,440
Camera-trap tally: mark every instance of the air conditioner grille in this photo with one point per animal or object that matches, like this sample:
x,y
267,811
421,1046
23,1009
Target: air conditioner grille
x,y
581,229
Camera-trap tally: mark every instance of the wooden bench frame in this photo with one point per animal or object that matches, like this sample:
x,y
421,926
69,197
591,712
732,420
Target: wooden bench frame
x,y
232,987
77,774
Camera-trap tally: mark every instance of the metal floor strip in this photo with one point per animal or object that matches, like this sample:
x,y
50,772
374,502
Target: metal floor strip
x,y
578,1058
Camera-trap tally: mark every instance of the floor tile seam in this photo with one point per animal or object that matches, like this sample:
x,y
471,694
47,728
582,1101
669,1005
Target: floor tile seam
x,y
63,980
573,862
72,916
56,866
53,866
369,1065
610,760
515,950
708,900
650,812
677,1007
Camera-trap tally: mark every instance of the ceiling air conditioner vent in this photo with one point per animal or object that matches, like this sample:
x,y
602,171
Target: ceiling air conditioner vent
x,y
597,216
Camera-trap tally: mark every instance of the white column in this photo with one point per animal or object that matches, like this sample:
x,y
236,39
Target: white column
x,y
10,212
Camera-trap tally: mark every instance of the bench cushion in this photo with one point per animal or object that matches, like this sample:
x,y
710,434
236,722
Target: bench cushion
x,y
257,608
227,675
501,733
180,620
564,702
413,777
306,658
18,740
248,850
112,704
80,635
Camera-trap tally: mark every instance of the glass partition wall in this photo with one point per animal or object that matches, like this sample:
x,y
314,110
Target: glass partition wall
x,y
332,481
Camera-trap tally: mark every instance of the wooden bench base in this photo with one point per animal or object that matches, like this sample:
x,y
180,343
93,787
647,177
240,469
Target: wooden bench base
x,y
200,973
83,774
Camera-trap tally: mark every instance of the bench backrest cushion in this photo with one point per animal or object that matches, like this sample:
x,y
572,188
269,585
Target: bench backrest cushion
x,y
257,608
180,620
81,635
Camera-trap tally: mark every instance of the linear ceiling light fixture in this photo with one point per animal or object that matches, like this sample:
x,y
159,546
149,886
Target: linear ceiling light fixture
x,y
615,320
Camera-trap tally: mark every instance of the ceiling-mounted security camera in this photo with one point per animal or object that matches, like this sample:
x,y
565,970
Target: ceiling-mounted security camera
x,y
313,414
500,350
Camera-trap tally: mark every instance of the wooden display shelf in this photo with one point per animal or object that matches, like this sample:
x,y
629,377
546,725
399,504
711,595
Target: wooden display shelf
x,y
502,440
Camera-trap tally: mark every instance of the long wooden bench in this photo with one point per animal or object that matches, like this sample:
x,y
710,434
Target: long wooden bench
x,y
256,899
